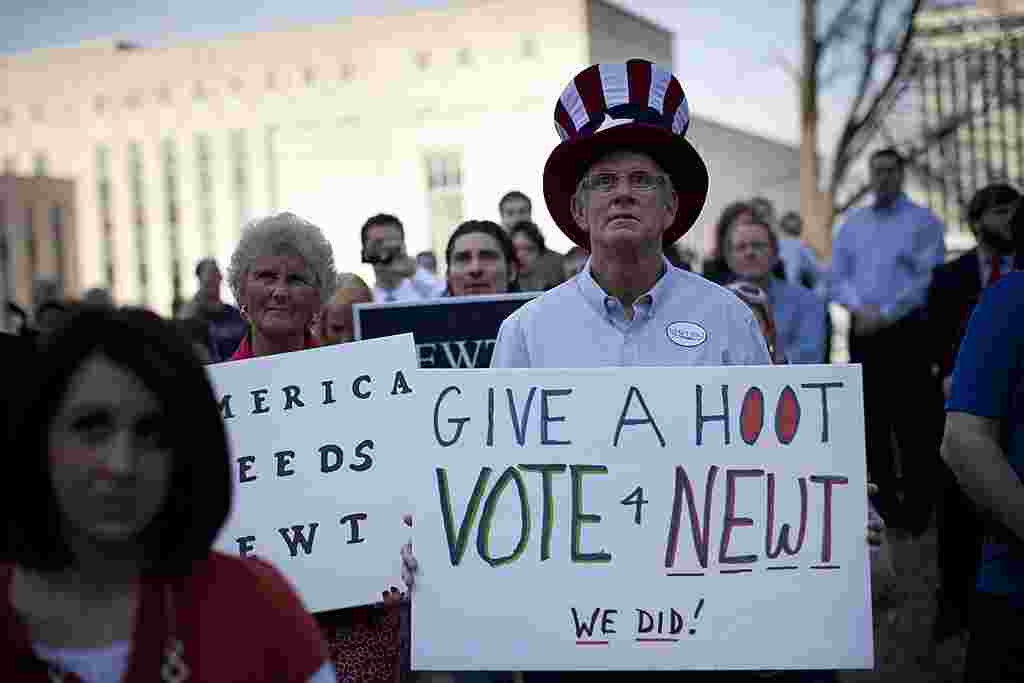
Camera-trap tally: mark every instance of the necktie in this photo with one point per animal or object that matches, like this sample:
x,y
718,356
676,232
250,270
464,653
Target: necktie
x,y
996,270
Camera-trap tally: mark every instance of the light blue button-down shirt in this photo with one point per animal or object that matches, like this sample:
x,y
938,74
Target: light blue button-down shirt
x,y
885,257
799,321
684,320
799,261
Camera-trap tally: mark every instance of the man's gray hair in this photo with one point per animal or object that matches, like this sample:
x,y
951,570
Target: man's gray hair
x,y
278,234
580,196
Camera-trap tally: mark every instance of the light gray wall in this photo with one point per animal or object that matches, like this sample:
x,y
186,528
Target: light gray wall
x,y
741,165
617,35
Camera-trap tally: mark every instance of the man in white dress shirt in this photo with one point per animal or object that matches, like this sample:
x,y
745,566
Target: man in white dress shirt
x,y
398,276
623,183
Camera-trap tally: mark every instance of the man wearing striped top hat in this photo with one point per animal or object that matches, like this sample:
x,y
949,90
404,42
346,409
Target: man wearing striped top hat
x,y
623,183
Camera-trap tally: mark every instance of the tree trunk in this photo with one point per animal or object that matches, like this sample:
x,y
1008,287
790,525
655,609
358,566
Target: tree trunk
x,y
817,223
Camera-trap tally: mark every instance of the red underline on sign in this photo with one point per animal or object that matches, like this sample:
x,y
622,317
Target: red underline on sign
x,y
735,571
591,642
791,566
824,566
685,574
657,640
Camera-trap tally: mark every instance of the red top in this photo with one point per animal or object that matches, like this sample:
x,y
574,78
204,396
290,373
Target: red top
x,y
244,349
238,620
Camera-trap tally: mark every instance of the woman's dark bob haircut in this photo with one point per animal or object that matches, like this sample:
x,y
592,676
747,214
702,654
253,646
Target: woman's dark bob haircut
x,y
532,233
199,495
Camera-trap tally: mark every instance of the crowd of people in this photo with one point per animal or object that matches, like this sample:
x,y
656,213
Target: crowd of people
x,y
108,571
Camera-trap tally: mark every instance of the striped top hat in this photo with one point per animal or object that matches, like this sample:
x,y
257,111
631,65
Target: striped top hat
x,y
634,105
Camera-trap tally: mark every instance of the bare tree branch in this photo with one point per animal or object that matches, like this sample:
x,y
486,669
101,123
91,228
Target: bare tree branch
x,y
861,192
839,25
916,154
841,161
855,123
825,80
866,133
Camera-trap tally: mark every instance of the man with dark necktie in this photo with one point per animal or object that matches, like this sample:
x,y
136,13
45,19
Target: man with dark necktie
x,y
954,292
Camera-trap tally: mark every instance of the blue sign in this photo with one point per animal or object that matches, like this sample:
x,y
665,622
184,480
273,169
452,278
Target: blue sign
x,y
450,332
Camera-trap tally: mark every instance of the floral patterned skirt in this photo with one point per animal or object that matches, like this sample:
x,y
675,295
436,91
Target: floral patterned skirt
x,y
368,644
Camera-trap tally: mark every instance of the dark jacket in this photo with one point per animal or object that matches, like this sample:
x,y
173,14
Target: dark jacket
x,y
952,295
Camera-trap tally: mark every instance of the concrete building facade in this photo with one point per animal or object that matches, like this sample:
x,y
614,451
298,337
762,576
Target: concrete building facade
x,y
38,238
431,115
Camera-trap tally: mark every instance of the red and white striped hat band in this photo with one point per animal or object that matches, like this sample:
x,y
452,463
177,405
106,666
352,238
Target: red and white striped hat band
x,y
605,95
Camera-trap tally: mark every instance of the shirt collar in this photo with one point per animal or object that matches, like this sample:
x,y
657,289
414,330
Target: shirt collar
x,y
603,303
985,254
897,204
772,290
245,351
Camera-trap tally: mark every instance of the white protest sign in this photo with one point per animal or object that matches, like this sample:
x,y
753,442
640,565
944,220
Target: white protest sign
x,y
315,463
641,518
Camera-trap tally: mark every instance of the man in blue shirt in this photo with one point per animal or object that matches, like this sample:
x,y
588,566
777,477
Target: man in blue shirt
x,y
984,446
623,183
752,251
798,260
882,263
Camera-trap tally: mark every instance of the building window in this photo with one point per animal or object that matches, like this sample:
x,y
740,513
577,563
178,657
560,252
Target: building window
x,y
530,50
236,84
465,57
423,60
271,80
37,113
99,104
5,254
270,142
199,91
57,228
164,94
202,142
5,117
137,188
10,164
348,72
240,177
309,75
30,243
170,162
39,165
444,196
444,171
106,220
132,101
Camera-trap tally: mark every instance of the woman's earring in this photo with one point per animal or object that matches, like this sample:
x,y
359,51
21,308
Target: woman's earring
x,y
245,311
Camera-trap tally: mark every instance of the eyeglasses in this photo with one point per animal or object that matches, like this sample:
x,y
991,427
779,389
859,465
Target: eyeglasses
x,y
639,181
757,247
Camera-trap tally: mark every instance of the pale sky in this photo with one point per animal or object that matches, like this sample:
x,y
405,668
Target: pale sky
x,y
728,53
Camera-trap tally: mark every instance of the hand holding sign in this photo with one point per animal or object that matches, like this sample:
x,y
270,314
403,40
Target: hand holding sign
x,y
409,564
315,464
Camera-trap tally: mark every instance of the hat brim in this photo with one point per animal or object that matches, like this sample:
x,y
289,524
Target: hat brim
x,y
569,160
